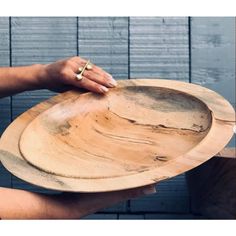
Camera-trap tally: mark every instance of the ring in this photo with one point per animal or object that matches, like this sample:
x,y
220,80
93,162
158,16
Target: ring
x,y
79,77
87,66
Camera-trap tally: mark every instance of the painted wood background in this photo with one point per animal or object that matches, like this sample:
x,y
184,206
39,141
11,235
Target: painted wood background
x,y
199,50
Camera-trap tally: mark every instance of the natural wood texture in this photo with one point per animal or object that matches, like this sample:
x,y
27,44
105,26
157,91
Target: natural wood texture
x,y
5,103
213,60
213,63
159,47
213,187
40,40
163,44
104,40
5,114
139,124
223,120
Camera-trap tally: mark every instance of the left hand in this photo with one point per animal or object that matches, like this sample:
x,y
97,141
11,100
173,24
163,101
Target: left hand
x,y
61,75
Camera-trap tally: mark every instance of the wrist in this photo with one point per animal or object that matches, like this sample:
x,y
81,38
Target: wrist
x,y
41,75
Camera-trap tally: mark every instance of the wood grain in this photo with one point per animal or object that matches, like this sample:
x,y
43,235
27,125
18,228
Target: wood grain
x,y
104,40
213,60
5,114
224,119
205,29
5,103
159,47
39,40
138,124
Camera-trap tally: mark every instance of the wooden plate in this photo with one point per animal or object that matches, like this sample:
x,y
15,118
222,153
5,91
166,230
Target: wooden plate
x,y
139,133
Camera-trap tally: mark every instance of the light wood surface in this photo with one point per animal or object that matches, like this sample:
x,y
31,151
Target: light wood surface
x,y
128,131
186,133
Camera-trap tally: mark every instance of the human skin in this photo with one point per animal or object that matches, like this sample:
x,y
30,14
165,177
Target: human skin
x,y
20,204
57,76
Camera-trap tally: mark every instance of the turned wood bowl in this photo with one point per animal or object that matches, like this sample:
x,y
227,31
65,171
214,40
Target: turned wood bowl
x,y
139,133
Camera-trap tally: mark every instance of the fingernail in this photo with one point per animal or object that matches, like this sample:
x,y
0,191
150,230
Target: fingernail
x,y
112,82
104,89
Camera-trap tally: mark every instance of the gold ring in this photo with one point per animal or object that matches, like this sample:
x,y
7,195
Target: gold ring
x,y
79,77
87,66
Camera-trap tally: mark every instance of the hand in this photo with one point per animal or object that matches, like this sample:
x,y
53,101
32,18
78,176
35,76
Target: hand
x,y
61,75
20,204
82,204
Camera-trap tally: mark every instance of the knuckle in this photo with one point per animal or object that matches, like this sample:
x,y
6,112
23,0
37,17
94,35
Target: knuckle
x,y
69,63
63,73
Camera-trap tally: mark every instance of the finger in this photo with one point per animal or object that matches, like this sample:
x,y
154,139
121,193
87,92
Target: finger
x,y
102,72
150,189
89,85
78,60
100,79
82,62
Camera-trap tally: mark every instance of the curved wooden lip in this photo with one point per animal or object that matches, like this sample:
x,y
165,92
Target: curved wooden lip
x,y
223,120
87,95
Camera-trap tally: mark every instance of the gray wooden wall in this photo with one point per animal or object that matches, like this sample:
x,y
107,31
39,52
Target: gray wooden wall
x,y
197,50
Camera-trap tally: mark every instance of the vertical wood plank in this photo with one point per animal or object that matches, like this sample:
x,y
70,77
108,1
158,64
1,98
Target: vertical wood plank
x,y
213,55
101,216
171,197
159,47
5,109
5,114
39,40
104,40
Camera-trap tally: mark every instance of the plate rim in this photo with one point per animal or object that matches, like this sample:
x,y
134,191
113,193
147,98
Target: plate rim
x,y
221,116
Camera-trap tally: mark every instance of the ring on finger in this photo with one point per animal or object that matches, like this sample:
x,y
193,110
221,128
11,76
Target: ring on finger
x,y
79,77
87,66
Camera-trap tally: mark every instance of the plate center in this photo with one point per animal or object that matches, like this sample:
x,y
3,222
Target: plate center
x,y
128,131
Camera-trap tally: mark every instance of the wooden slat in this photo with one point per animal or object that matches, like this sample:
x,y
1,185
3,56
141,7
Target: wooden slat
x,y
131,216
212,187
100,216
213,55
171,197
155,216
5,109
104,40
159,47
120,207
39,40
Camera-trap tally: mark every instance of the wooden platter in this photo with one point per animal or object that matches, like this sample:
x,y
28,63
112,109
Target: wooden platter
x,y
140,133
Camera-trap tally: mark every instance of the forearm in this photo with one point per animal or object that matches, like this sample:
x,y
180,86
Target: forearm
x,y
19,204
18,79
